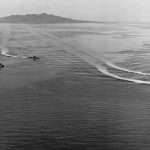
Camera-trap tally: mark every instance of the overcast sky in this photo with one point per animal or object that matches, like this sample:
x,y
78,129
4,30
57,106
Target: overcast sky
x,y
103,10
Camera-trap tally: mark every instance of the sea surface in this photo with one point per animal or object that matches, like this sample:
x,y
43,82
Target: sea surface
x,y
89,89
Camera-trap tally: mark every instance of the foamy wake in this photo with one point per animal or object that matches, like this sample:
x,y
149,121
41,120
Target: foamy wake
x,y
5,52
126,70
105,71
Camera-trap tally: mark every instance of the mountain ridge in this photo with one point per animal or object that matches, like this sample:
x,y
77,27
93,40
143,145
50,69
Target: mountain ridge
x,y
40,19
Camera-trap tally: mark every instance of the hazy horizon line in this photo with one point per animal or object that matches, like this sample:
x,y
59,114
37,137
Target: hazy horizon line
x,y
100,21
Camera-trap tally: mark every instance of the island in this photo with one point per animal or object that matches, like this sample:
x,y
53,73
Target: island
x,y
40,19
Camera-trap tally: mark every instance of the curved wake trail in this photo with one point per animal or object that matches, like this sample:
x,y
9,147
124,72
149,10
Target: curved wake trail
x,y
126,70
104,71
5,52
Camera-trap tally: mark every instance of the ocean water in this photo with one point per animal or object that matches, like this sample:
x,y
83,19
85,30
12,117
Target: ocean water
x,y
87,91
122,49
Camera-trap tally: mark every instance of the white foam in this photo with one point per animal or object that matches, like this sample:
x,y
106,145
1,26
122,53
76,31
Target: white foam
x,y
127,70
105,71
5,52
122,69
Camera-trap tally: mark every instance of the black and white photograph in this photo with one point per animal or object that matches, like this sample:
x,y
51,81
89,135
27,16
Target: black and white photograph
x,y
74,74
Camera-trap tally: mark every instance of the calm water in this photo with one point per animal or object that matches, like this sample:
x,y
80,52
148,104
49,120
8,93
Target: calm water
x,y
71,98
